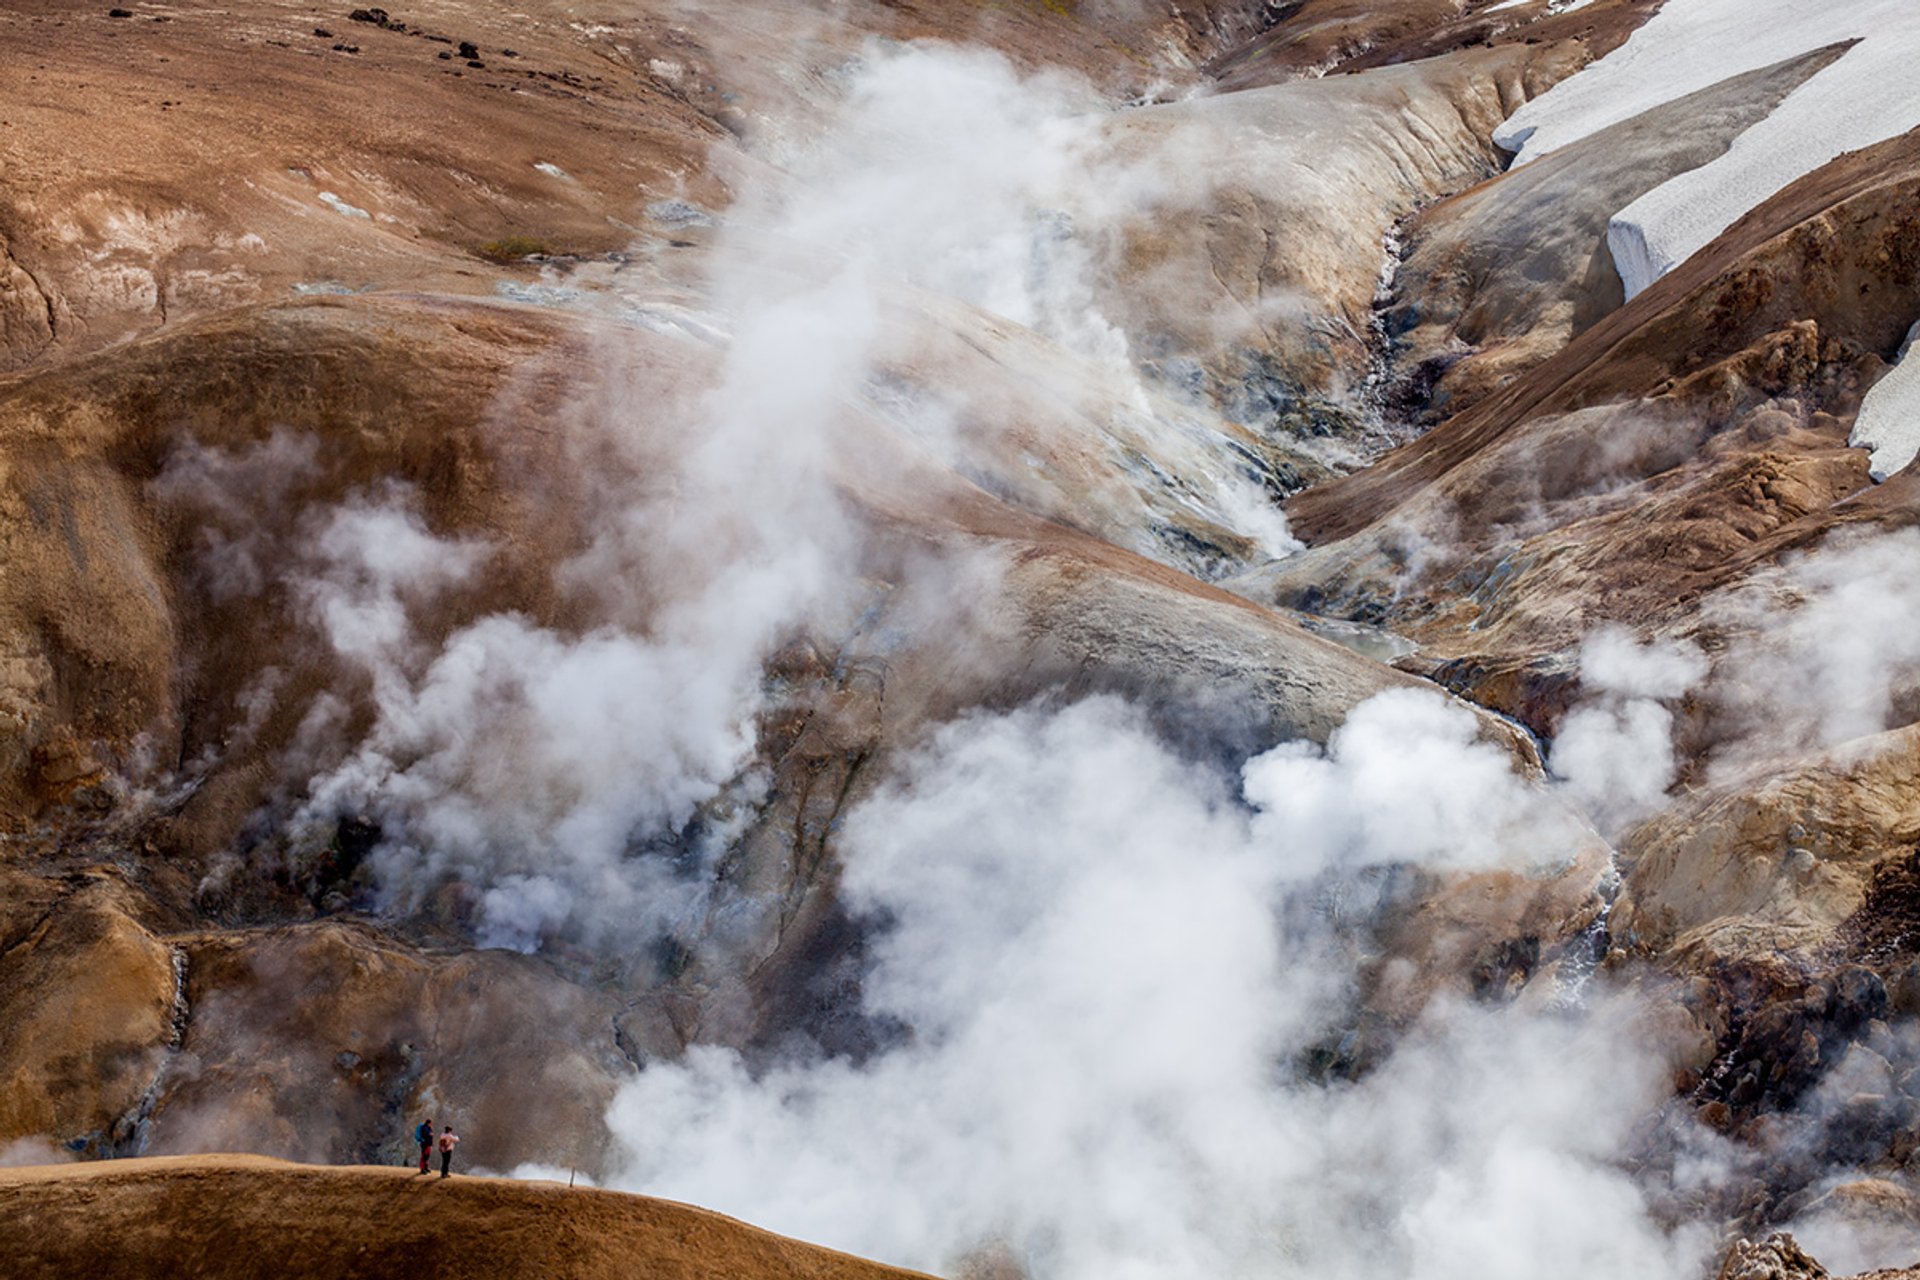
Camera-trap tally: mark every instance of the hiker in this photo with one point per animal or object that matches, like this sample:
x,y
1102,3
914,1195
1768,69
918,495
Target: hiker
x,y
448,1141
423,1135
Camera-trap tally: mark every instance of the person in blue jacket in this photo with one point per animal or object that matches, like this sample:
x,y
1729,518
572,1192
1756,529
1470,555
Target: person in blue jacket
x,y
423,1135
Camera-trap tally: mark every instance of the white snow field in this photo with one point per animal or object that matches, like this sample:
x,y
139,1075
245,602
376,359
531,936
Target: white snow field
x,y
1889,420
1868,95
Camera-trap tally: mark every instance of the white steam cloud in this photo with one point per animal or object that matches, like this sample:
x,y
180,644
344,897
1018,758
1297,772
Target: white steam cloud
x,y
1614,752
1084,935
1105,961
1822,649
528,760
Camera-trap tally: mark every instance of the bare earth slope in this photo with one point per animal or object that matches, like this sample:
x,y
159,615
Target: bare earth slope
x,y
235,1217
491,281
226,320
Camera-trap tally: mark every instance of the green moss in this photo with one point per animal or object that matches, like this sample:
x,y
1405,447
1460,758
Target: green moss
x,y
512,249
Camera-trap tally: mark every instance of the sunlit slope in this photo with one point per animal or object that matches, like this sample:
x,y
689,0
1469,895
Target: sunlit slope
x,y
214,1217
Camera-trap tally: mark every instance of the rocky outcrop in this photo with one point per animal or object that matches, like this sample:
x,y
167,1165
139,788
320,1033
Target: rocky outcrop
x,y
91,999
1778,862
1778,1257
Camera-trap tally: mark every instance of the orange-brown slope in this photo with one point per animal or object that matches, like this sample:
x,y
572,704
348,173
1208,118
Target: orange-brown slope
x,y
183,159
229,1217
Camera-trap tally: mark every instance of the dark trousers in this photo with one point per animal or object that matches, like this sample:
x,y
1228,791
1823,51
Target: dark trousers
x,y
446,1158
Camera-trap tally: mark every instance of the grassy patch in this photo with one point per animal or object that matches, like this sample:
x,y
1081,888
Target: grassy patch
x,y
512,249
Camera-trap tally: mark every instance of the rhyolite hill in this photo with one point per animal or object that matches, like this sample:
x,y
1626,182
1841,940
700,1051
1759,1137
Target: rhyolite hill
x,y
332,249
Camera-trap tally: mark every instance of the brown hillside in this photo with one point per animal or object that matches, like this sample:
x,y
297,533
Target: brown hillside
x,y
221,1217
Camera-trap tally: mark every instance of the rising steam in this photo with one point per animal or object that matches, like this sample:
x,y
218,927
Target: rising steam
x,y
1109,965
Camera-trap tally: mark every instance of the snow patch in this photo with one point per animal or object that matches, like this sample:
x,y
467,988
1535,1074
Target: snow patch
x,y
338,205
1889,421
1864,97
553,171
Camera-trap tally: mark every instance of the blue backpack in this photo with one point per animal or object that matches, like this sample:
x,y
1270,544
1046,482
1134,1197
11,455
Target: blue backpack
x,y
423,1134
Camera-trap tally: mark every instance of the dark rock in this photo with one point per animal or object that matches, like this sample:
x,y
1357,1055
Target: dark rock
x,y
468,49
1858,997
1860,1129
323,33
1904,989
119,13
509,53
1498,976
378,17
445,55
346,48
477,66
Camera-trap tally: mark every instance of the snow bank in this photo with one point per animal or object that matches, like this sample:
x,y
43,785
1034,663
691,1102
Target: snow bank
x,y
1889,421
1864,97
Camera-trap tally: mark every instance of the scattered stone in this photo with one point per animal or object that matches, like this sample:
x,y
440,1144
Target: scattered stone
x,y
443,54
119,13
509,53
323,33
378,17
477,66
346,48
